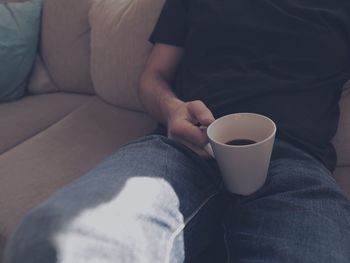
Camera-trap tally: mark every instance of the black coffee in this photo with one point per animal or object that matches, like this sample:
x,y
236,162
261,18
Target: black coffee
x,y
240,142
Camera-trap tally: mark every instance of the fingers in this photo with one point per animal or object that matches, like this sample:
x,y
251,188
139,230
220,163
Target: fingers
x,y
200,112
187,131
198,150
182,126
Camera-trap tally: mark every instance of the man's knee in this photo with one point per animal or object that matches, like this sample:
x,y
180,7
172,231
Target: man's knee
x,y
144,208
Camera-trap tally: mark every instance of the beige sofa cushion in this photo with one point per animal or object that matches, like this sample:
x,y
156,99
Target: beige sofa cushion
x,y
120,47
342,138
26,117
342,176
40,81
66,150
65,44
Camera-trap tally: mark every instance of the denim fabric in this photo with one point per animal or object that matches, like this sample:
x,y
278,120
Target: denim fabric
x,y
154,200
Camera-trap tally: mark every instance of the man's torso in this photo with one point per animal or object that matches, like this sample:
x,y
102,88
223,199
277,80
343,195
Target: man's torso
x,y
281,58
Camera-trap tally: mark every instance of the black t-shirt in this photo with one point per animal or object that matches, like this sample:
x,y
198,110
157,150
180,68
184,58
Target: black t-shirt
x,y
286,59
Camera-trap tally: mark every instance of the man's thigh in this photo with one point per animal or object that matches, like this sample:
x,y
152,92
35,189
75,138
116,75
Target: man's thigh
x,y
299,215
135,204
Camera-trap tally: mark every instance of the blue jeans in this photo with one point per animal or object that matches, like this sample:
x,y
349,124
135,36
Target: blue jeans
x,y
154,200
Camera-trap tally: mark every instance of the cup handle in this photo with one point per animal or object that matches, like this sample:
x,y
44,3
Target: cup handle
x,y
209,150
207,147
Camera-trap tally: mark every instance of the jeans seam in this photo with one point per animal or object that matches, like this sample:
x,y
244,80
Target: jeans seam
x,y
182,226
226,244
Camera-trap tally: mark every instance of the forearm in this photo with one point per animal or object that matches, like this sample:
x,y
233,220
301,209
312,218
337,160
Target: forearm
x,y
157,97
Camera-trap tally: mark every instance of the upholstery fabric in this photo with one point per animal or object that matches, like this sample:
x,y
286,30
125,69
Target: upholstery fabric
x,y
65,44
120,47
342,176
342,139
64,151
33,114
19,35
40,80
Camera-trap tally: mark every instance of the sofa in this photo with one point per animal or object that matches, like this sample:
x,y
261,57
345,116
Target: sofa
x,y
82,102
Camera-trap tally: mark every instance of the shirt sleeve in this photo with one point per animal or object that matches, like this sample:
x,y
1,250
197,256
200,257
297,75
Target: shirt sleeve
x,y
171,27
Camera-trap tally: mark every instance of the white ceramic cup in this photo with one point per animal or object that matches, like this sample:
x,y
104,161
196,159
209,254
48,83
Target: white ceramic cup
x,y
244,168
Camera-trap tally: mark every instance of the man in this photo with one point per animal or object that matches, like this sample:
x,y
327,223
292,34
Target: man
x,y
161,197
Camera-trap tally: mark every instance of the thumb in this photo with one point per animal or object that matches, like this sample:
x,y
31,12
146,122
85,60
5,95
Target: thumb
x,y
200,112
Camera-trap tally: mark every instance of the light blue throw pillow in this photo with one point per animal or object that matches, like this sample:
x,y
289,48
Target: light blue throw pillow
x,y
19,34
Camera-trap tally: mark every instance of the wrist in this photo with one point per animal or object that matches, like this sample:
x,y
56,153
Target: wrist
x,y
168,105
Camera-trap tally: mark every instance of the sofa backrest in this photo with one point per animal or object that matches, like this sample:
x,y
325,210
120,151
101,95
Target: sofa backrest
x,y
65,46
120,47
95,46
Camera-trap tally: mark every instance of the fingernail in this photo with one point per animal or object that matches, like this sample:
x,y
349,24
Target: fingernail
x,y
203,128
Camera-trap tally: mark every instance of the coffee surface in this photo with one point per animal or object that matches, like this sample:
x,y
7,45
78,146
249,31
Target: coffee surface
x,y
240,142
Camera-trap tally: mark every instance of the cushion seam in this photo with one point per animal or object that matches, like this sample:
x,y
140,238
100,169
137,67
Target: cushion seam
x,y
48,127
